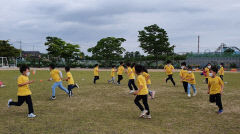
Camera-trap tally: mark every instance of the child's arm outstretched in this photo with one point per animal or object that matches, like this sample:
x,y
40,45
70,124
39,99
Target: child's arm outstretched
x,y
26,83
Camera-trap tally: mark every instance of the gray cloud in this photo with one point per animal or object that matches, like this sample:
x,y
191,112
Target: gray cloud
x,y
86,21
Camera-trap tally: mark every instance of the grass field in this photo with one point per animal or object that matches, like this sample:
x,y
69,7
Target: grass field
x,y
109,109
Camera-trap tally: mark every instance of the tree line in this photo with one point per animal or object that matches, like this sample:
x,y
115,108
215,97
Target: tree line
x,y
153,40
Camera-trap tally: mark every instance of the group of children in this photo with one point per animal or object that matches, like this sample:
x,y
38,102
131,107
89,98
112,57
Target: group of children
x,y
24,92
215,83
141,90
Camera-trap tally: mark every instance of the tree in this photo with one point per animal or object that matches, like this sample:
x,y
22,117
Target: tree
x,y
154,41
7,50
229,51
133,56
61,49
108,49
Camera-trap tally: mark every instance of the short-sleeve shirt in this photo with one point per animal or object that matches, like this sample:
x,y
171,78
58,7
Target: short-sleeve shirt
x,y
146,75
130,73
168,69
95,71
183,73
215,84
55,74
70,80
141,81
190,76
23,90
120,70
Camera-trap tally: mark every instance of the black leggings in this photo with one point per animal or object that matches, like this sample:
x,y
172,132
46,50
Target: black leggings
x,y
221,76
216,98
131,84
206,80
144,99
21,100
95,78
170,78
120,77
70,87
185,85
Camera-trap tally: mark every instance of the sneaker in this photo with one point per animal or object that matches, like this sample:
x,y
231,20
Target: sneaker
x,y
143,113
153,94
220,111
53,98
131,91
70,93
3,86
77,85
147,117
189,95
31,115
194,94
9,101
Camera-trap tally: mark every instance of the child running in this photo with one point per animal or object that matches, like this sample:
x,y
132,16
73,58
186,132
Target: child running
x,y
221,71
1,84
112,75
142,93
206,72
120,72
56,76
169,68
190,78
131,76
96,73
148,80
70,81
215,89
24,92
183,74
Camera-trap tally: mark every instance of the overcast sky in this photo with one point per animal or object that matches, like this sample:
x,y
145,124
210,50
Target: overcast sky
x,y
84,22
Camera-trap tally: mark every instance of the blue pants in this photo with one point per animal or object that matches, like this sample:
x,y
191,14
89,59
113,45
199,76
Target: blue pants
x,y
193,87
58,84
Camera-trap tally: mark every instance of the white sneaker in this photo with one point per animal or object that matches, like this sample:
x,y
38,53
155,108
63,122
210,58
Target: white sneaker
x,y
10,100
194,94
132,91
31,115
143,113
53,98
189,95
3,85
77,85
147,117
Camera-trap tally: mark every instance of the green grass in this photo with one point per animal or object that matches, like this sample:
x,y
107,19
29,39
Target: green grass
x,y
109,109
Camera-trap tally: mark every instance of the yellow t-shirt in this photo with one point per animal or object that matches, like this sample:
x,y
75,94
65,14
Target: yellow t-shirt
x,y
207,72
168,69
71,80
146,75
221,71
120,70
55,75
190,76
141,81
183,74
113,72
215,84
133,69
23,90
130,73
95,71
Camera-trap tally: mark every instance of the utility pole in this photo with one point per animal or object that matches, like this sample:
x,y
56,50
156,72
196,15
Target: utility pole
x,y
198,43
20,48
